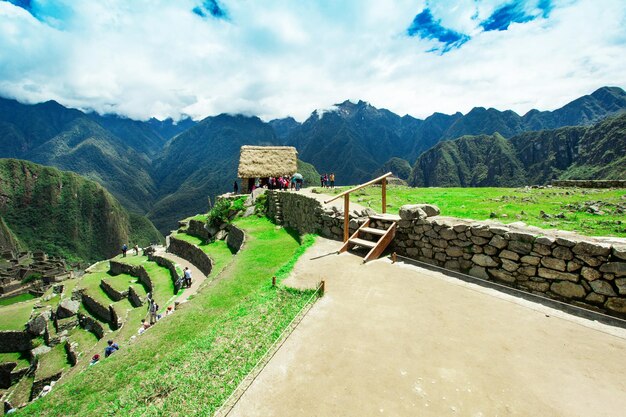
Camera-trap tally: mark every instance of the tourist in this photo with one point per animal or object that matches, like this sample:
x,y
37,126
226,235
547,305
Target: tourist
x,y
144,326
111,348
169,310
153,308
124,249
136,249
322,181
95,359
326,183
332,180
235,188
187,277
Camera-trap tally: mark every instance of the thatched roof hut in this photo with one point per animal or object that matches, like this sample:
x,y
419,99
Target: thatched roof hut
x,y
267,161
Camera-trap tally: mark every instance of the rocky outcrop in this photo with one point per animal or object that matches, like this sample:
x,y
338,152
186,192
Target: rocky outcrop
x,y
67,308
235,238
192,253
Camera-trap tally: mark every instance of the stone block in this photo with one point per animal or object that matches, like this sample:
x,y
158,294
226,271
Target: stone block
x,y
460,228
565,242
447,234
552,274
590,274
573,266
501,275
412,212
454,251
568,289
529,271
509,265
37,326
616,305
498,242
620,283
553,263
440,243
499,230
440,256
477,240
412,252
619,251
594,298
537,286
592,249
427,252
507,254
523,248
403,224
616,268
481,231
490,250
67,308
561,252
602,287
545,240
521,237
478,272
452,265
484,260
541,249
530,260
589,260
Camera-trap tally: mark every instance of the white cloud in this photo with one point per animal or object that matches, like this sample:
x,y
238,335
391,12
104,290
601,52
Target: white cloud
x,y
278,58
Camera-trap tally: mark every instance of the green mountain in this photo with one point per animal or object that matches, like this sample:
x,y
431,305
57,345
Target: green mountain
x,y
398,166
592,152
64,214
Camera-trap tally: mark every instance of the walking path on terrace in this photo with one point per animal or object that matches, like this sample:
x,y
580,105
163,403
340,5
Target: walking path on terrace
x,y
197,277
399,340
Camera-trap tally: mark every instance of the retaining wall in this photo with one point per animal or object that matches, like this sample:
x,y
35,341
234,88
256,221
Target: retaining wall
x,y
91,325
14,341
97,309
197,228
134,298
114,294
192,253
590,183
138,271
235,238
584,271
166,263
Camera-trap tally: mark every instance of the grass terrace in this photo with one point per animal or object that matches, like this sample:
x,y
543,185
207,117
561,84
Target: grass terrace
x,y
218,251
19,357
191,361
16,299
52,362
15,316
20,392
163,291
563,208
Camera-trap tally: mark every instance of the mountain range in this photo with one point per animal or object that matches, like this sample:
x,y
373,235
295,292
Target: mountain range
x,y
166,170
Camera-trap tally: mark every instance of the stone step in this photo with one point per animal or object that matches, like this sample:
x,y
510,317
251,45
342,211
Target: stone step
x,y
362,242
387,217
373,231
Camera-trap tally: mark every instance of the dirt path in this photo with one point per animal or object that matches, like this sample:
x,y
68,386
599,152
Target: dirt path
x,y
197,277
400,340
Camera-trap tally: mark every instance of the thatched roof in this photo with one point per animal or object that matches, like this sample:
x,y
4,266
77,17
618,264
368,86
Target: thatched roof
x,y
267,161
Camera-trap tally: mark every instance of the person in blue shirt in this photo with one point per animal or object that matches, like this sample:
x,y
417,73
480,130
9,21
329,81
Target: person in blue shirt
x,y
112,347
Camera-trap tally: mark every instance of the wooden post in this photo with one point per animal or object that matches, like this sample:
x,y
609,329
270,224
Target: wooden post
x,y
384,188
273,281
346,217
322,287
394,258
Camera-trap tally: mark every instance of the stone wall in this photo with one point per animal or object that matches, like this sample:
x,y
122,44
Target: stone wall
x,y
134,298
138,271
235,238
166,263
91,325
588,272
192,253
14,341
590,183
70,351
197,228
112,292
100,311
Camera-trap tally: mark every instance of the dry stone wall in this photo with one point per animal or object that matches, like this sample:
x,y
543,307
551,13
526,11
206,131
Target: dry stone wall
x,y
166,263
192,253
235,238
100,311
14,341
138,271
587,272
590,183
91,325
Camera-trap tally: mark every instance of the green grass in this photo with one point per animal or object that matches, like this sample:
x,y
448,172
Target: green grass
x,y
509,205
91,284
121,282
19,393
19,357
191,361
16,299
15,316
52,362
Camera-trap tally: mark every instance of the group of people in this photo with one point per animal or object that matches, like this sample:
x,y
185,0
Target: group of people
x,y
125,249
327,181
183,281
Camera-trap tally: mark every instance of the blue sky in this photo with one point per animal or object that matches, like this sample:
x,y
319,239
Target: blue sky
x,y
275,58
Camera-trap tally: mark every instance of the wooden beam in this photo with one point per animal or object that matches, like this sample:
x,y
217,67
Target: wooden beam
x,y
384,188
358,187
346,217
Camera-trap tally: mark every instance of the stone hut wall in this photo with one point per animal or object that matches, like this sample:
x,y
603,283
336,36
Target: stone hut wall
x,y
138,271
192,253
235,238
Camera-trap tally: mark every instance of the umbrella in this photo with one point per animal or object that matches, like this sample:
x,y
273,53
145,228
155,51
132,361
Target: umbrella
x,y
297,176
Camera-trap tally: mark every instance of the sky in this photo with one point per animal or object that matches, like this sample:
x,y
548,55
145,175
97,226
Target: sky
x,y
278,58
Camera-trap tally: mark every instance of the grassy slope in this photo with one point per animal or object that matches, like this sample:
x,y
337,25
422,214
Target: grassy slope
x,y
15,316
218,251
16,299
191,361
478,203
20,358
161,279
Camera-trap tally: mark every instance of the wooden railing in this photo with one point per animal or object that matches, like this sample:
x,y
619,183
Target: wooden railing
x,y
346,201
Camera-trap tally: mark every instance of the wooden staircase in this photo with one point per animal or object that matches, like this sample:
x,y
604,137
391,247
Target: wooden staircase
x,y
383,236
